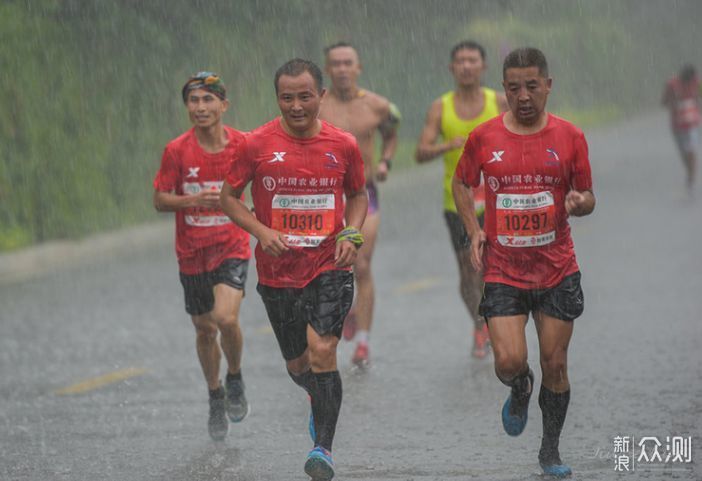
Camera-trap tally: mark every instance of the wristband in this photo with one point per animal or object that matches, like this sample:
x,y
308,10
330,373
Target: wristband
x,y
352,235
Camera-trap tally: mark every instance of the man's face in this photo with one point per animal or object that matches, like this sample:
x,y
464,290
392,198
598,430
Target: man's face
x,y
467,67
526,90
343,67
299,102
205,109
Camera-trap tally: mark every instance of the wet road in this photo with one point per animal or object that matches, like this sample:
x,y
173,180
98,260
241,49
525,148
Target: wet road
x,y
426,410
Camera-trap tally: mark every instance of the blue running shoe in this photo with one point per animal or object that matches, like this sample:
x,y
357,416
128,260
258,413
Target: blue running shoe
x,y
556,470
516,409
319,465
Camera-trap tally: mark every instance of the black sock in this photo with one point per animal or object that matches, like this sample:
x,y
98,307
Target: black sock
x,y
217,393
234,377
554,407
303,380
326,403
521,383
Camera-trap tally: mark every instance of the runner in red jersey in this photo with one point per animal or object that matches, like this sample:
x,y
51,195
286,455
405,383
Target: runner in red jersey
x,y
301,168
212,252
537,173
682,97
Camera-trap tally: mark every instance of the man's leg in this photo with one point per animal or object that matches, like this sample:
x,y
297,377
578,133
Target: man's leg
x,y
554,397
209,355
365,295
510,348
225,314
471,286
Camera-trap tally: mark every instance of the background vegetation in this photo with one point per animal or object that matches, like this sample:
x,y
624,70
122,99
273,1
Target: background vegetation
x,y
89,90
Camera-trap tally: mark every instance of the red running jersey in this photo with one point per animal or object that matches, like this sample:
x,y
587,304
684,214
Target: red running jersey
x,y
526,180
684,108
298,188
204,237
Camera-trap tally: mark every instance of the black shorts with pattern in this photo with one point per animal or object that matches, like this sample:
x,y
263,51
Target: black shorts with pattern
x,y
322,304
199,288
564,301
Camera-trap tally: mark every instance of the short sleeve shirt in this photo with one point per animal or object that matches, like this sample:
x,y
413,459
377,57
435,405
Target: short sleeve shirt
x,y
298,186
527,177
204,237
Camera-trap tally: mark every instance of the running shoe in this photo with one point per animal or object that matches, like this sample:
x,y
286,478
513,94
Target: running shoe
x,y
218,424
360,355
481,342
319,465
237,405
310,427
516,409
556,470
350,325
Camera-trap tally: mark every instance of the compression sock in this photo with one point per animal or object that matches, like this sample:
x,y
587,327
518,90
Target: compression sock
x,y
361,337
234,377
553,408
521,383
326,403
303,380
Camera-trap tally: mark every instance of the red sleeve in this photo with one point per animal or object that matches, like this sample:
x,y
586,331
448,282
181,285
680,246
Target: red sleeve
x,y
355,178
241,170
167,176
468,168
581,176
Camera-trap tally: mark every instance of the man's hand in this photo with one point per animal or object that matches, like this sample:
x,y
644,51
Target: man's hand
x,y
273,242
208,199
477,242
382,173
457,142
345,254
579,203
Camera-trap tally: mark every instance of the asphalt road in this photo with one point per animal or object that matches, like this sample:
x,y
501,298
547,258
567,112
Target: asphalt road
x,y
424,411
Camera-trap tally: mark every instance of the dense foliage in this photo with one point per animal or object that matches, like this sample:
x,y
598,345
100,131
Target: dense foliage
x,y
90,89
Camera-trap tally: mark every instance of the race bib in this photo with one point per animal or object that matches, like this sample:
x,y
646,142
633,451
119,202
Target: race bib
x,y
525,220
688,111
306,220
204,217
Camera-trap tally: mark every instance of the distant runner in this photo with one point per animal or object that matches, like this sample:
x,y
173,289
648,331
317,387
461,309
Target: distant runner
x,y
682,97
537,172
453,116
213,254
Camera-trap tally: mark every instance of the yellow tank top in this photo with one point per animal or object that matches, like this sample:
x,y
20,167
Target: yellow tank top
x,y
451,127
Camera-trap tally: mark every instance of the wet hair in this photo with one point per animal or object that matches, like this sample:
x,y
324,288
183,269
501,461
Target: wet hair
x,y
296,67
687,73
468,45
337,45
526,57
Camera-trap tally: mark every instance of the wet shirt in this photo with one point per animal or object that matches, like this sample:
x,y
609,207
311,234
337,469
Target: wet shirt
x,y
298,187
453,126
204,237
685,108
527,177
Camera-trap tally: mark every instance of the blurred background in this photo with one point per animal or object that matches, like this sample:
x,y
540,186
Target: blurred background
x,y
90,91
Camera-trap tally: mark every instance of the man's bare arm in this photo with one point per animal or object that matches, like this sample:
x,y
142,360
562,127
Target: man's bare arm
x,y
427,148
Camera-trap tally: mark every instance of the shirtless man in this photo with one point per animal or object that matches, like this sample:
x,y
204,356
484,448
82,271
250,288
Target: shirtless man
x,y
361,113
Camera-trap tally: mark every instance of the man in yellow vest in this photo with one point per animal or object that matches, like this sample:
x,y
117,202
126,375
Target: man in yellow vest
x,y
452,117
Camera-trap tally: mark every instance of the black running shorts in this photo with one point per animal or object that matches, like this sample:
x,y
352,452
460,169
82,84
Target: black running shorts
x,y
323,304
199,288
459,236
565,301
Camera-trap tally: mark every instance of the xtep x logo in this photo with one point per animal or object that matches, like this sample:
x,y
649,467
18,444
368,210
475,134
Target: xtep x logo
x,y
496,156
193,171
278,157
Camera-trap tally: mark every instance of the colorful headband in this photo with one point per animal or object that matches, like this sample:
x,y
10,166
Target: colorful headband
x,y
209,81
